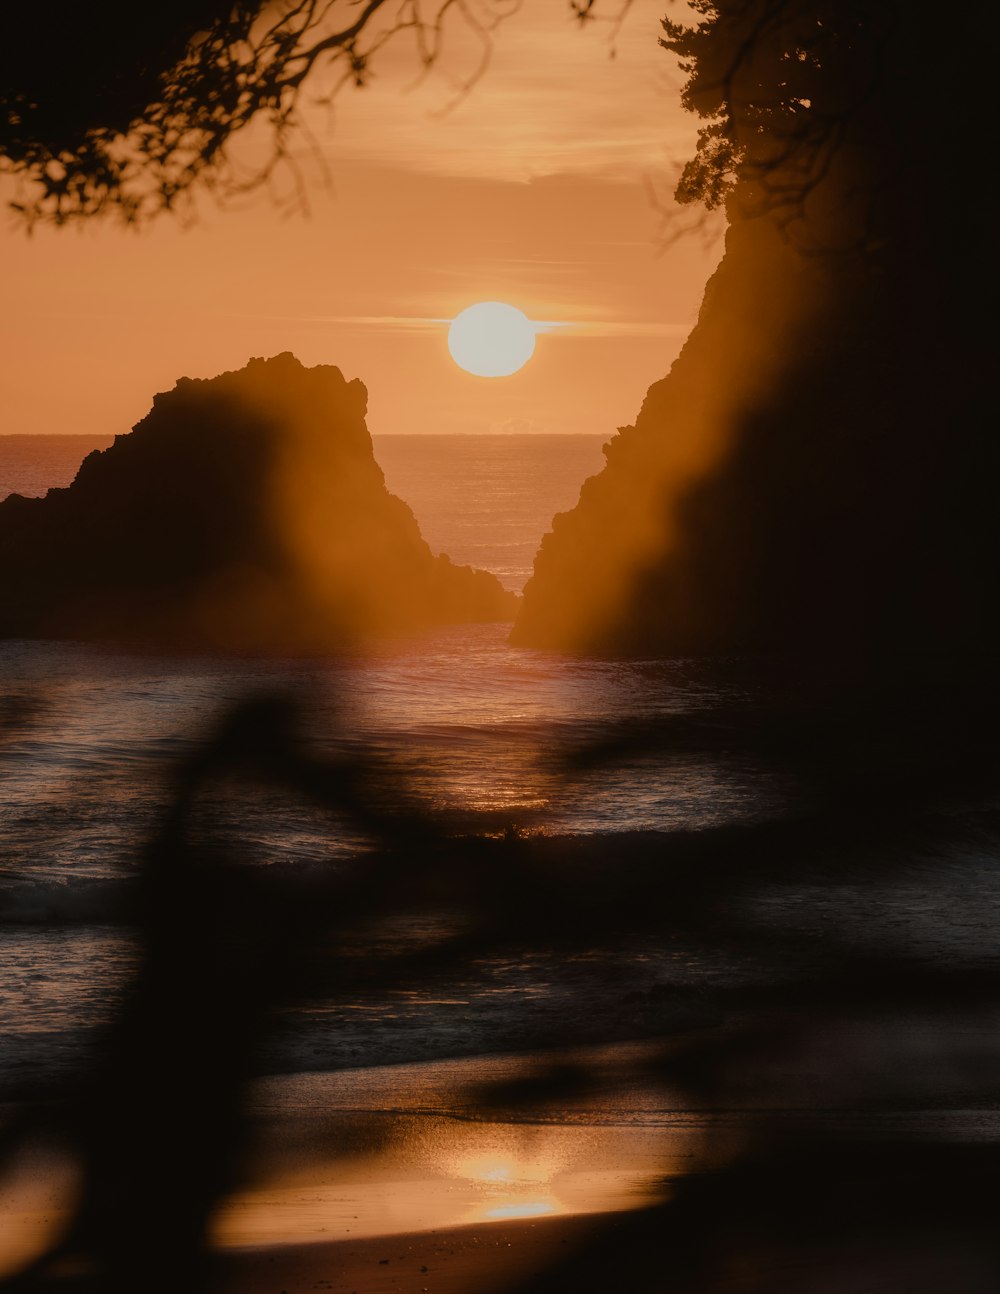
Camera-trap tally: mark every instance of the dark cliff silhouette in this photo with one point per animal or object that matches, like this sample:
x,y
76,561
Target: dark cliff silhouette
x,y
244,512
816,472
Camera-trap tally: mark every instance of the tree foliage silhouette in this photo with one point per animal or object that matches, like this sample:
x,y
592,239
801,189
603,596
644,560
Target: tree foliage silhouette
x,y
796,92
110,110
106,109
776,82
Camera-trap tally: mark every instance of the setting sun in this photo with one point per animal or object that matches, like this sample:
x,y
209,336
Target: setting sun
x,y
491,339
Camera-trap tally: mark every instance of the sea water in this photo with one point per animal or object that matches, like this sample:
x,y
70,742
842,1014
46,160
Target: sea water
x,y
484,500
472,726
471,723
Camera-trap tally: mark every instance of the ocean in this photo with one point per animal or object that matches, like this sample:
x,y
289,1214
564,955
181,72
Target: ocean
x,y
484,500
476,726
492,739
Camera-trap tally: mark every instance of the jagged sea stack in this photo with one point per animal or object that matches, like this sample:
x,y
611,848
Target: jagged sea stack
x,y
243,512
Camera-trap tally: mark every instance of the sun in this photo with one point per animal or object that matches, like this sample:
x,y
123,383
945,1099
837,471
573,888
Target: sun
x,y
491,339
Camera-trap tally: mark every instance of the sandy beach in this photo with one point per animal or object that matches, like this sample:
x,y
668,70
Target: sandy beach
x,y
450,1260
385,1179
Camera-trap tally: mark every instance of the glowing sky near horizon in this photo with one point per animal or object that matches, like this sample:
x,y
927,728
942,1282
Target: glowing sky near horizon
x,y
530,189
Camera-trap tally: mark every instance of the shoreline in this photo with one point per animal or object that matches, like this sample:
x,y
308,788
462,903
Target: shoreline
x,y
479,1259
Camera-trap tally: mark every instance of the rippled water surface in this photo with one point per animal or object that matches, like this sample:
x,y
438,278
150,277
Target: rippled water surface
x,y
473,723
471,726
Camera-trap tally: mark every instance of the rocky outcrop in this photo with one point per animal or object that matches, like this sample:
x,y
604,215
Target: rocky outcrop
x,y
816,474
243,512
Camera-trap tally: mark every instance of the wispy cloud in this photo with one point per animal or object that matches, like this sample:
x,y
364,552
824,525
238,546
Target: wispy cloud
x,y
553,101
614,328
417,323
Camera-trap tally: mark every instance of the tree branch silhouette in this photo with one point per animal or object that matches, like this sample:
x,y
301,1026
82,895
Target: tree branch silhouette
x,y
780,85
108,113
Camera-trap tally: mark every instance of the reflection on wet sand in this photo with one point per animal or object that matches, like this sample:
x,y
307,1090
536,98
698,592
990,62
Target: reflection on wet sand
x,y
408,1188
335,1161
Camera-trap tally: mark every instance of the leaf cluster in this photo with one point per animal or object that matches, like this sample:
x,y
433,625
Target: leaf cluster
x,y
115,109
777,83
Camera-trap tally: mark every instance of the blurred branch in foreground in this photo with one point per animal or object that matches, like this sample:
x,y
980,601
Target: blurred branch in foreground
x,y
819,1043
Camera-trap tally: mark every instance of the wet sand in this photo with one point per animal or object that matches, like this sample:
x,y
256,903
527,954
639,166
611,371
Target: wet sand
x,y
455,1260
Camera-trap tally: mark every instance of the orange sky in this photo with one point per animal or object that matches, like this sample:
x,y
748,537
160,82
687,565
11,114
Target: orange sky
x,y
530,190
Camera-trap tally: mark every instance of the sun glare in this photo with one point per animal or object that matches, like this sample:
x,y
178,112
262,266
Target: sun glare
x,y
491,339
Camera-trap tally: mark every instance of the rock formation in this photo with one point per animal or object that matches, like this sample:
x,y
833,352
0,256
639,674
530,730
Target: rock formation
x,y
817,473
244,512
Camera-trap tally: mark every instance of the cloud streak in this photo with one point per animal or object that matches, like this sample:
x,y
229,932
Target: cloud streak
x,y
554,327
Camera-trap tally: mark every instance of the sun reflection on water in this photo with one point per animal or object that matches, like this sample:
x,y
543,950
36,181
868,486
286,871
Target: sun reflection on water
x,y
515,1182
498,1169
530,1209
392,1164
